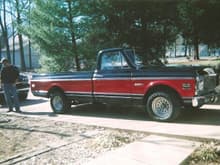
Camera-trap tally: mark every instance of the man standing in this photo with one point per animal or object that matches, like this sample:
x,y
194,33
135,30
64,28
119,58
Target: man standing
x,y
9,76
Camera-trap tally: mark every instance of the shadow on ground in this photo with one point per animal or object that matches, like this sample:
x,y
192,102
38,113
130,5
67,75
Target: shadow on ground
x,y
29,102
199,116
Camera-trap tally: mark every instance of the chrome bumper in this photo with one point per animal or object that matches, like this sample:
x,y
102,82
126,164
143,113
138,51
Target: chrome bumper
x,y
198,101
18,90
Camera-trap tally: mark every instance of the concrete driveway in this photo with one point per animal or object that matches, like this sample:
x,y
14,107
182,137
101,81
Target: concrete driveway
x,y
204,123
179,139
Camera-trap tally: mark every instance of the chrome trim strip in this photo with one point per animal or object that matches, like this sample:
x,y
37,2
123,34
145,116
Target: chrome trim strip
x,y
162,78
49,80
78,95
114,78
77,92
119,94
103,93
95,93
144,78
107,96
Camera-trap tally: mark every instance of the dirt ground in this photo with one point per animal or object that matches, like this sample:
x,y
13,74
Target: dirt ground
x,y
25,140
35,141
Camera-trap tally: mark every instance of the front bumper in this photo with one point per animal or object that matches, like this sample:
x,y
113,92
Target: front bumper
x,y
23,90
198,101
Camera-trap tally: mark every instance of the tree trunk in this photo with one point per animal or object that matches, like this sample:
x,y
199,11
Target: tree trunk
x,y
29,41
0,48
186,47
74,46
5,32
30,55
13,37
196,49
208,49
175,49
13,51
23,67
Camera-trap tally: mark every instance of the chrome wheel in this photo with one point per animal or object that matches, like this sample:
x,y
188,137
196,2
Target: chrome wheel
x,y
57,103
162,108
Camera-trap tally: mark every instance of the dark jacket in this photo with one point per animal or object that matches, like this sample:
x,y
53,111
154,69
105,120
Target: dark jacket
x,y
9,74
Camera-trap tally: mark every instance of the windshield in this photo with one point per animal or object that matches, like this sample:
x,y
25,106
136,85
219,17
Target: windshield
x,y
140,60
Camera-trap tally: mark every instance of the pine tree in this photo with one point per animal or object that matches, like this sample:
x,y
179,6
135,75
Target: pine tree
x,y
53,28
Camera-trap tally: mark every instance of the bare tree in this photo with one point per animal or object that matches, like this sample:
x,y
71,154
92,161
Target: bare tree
x,y
13,33
20,38
3,25
29,41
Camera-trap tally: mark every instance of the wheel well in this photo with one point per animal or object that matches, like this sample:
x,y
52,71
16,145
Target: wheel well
x,y
163,88
53,89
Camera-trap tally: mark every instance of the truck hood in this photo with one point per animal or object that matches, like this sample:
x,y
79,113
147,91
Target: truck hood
x,y
177,71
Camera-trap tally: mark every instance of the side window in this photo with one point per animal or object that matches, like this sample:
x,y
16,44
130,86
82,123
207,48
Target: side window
x,y
113,61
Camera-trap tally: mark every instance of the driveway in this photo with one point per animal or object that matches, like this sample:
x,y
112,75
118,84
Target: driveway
x,y
204,123
39,121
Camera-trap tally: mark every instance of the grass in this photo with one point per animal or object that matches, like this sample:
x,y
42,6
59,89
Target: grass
x,y
206,154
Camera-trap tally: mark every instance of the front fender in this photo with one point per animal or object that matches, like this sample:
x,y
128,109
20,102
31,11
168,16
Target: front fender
x,y
176,85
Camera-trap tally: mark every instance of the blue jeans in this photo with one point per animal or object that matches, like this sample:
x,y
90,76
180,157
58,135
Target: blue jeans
x,y
11,96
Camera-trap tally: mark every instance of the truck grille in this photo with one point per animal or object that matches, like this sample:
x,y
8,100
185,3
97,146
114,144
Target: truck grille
x,y
209,83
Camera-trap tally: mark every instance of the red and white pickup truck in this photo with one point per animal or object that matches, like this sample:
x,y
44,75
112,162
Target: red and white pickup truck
x,y
121,78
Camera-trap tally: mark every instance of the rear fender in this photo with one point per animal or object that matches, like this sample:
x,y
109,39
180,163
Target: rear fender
x,y
53,89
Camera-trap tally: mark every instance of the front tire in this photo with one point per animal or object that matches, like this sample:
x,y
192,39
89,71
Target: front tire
x,y
23,96
163,106
59,103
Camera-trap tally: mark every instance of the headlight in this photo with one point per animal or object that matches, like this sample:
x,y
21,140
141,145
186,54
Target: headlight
x,y
199,84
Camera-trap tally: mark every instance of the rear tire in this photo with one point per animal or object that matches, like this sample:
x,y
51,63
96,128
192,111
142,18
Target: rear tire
x,y
163,106
59,103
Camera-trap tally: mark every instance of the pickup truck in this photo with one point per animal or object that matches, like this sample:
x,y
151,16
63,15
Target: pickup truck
x,y
121,77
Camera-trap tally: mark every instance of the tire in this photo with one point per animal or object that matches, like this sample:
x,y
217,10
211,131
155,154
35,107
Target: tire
x,y
23,96
163,106
59,103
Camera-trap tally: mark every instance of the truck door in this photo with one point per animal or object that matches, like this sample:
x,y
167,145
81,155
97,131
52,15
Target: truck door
x,y
112,80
